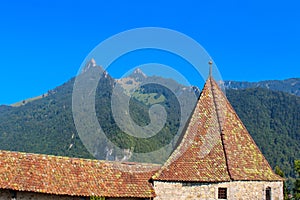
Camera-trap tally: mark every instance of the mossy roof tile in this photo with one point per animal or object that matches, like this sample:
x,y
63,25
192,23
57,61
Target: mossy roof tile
x,y
215,146
74,176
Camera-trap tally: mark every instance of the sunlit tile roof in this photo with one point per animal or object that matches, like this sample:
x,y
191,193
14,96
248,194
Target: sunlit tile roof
x,y
74,176
215,146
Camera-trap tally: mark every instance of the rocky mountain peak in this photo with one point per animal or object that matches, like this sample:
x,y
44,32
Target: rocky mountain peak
x,y
138,75
90,64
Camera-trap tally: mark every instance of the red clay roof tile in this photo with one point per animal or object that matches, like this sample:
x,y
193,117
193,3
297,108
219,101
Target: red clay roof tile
x,y
216,146
74,176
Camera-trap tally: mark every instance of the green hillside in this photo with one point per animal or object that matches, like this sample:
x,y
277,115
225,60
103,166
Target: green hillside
x,y
42,126
46,125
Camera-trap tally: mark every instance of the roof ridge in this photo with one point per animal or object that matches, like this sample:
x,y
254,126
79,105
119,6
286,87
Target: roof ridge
x,y
224,142
175,154
220,124
194,151
76,158
244,127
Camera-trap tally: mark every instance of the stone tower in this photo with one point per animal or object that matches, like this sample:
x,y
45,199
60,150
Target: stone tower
x,y
216,157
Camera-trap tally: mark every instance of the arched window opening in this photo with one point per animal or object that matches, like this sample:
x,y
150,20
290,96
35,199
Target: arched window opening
x,y
268,193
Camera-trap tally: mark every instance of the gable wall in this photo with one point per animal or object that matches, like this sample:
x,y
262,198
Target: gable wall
x,y
236,190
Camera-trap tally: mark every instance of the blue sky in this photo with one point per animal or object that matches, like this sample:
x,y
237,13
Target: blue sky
x,y
44,42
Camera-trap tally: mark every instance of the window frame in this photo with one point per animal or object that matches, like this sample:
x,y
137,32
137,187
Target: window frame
x,y
268,193
222,193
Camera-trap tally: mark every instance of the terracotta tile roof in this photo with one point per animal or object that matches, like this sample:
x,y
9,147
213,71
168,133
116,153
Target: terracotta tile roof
x,y
74,176
215,146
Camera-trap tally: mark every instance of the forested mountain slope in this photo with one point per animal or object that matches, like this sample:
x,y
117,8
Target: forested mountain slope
x,y
291,85
46,125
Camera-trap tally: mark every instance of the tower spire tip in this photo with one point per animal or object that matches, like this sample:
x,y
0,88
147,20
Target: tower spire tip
x,y
210,68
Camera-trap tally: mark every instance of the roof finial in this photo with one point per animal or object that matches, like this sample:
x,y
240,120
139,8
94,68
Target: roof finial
x,y
210,68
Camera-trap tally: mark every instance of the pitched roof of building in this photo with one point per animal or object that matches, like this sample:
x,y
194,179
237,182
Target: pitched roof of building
x,y
215,146
74,176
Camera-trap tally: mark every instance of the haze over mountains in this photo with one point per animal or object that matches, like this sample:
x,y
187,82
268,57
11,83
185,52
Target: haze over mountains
x,y
291,85
270,110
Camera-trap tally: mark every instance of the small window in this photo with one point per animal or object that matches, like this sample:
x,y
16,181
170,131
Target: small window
x,y
13,194
268,193
222,193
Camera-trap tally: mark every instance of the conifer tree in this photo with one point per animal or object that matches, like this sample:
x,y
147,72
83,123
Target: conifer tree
x,y
297,183
279,172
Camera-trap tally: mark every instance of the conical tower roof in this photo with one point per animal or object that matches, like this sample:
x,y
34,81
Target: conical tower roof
x,y
215,145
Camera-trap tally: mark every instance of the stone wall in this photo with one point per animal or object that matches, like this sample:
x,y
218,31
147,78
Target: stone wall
x,y
236,190
6,195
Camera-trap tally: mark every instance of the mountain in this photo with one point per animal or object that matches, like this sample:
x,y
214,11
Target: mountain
x,y
46,125
291,85
138,75
4,108
43,126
